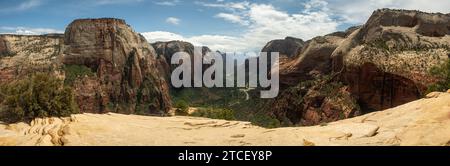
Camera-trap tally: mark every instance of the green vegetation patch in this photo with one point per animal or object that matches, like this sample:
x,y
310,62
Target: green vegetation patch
x,y
442,72
264,120
215,113
36,96
182,107
75,71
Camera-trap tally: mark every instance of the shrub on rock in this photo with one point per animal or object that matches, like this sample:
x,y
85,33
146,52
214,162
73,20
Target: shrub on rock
x,y
37,96
443,73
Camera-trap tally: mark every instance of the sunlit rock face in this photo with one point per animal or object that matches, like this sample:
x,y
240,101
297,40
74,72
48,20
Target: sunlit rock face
x,y
386,62
125,65
21,55
381,64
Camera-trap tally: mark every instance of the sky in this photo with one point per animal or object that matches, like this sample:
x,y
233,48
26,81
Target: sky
x,y
225,25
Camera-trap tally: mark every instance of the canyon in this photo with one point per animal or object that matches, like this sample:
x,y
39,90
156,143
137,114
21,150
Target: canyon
x,y
379,65
363,86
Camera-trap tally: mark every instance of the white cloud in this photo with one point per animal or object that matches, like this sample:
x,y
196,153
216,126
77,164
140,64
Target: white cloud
x,y
173,21
28,31
114,2
261,23
268,23
167,3
228,6
232,18
220,42
214,42
162,36
26,5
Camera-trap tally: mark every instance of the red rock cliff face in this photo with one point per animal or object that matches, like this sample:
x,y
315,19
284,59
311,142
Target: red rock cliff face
x,y
165,51
380,65
127,79
307,98
378,90
313,59
386,62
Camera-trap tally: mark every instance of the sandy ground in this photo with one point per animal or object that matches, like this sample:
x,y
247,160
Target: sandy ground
x,y
423,122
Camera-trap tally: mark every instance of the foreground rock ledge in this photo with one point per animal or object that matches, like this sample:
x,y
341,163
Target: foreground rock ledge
x,y
422,122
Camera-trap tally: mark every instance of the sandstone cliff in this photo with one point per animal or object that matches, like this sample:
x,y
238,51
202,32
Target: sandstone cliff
x,y
380,65
288,47
126,78
125,65
387,61
165,51
21,55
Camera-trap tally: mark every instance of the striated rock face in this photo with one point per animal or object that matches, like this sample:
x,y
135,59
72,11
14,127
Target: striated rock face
x,y
387,61
425,24
165,51
319,102
313,59
126,78
378,90
22,55
124,63
382,64
308,98
288,47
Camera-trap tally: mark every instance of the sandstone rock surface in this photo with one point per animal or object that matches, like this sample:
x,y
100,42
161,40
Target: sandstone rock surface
x,y
423,122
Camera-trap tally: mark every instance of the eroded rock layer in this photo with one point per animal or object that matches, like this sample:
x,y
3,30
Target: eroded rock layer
x,y
382,64
125,79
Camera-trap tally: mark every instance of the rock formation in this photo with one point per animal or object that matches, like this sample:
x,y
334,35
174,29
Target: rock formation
x,y
126,76
382,64
387,61
165,51
288,47
313,59
124,63
424,123
21,55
